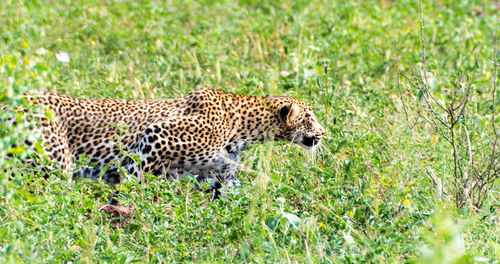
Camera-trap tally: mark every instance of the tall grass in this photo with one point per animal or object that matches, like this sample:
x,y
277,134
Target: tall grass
x,y
364,196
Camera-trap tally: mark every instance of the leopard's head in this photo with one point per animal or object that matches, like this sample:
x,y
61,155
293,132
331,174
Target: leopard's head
x,y
298,124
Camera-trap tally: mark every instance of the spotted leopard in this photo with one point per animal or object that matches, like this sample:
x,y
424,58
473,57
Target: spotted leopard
x,y
201,134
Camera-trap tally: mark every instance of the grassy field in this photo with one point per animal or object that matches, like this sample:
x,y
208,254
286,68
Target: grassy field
x,y
364,196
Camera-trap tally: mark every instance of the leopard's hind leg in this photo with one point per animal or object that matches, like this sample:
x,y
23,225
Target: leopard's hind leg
x,y
56,146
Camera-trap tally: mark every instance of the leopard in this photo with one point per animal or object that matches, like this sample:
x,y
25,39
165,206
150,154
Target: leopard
x,y
201,134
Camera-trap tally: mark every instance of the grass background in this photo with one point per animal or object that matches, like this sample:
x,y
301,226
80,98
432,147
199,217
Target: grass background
x,y
363,197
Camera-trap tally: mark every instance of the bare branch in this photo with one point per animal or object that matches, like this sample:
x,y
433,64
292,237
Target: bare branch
x,y
399,88
448,117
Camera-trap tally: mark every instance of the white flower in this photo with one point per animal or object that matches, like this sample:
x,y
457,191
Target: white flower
x,y
62,56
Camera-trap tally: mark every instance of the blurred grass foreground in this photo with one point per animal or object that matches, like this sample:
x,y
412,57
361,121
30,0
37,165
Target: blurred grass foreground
x,y
388,185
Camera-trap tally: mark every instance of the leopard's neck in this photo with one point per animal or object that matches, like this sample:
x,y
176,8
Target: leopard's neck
x,y
250,118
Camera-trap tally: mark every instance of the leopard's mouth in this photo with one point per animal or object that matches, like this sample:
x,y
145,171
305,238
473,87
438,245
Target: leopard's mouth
x,y
309,142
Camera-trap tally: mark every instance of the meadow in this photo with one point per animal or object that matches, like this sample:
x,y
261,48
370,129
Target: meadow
x,y
381,188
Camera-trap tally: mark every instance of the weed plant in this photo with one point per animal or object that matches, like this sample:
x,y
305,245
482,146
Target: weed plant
x,y
364,195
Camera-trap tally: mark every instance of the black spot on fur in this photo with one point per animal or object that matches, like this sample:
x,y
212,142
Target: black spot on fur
x,y
146,149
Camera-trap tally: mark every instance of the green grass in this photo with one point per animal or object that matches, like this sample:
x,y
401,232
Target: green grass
x,y
363,197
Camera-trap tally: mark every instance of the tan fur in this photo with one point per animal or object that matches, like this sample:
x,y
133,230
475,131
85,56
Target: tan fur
x,y
200,134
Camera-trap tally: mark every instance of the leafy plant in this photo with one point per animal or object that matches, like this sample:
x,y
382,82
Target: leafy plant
x,y
365,195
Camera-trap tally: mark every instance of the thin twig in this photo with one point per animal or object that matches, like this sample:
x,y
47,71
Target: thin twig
x,y
399,88
493,93
424,61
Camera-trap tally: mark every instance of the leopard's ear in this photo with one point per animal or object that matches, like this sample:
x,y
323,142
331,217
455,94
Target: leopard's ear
x,y
289,113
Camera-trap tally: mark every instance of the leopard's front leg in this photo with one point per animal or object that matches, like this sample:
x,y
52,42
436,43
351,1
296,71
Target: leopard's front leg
x,y
169,148
152,151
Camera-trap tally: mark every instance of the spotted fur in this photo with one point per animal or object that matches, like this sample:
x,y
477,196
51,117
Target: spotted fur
x,y
200,134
